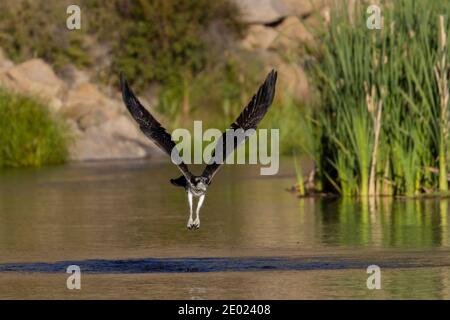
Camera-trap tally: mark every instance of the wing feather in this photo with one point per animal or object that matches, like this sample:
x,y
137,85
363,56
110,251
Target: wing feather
x,y
149,125
249,118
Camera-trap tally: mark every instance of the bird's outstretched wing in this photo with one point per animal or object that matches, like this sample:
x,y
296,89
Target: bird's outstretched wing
x,y
150,126
249,118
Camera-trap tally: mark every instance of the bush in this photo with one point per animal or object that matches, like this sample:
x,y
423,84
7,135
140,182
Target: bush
x,y
37,28
149,40
160,40
29,135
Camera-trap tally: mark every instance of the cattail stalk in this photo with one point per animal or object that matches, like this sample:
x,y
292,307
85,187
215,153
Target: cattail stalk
x,y
441,73
375,108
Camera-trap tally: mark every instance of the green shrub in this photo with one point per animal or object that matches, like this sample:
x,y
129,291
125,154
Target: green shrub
x,y
37,28
149,40
29,135
164,39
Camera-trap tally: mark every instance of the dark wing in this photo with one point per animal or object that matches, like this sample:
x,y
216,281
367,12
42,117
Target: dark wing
x,y
249,118
150,126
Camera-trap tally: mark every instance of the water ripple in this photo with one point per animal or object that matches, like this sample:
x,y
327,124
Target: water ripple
x,y
232,264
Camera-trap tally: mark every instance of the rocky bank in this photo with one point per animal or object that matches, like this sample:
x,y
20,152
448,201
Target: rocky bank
x,y
100,124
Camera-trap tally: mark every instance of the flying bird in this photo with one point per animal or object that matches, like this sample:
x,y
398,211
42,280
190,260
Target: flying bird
x,y
195,186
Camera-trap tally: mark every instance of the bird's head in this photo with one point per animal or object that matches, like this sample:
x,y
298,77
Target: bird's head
x,y
201,183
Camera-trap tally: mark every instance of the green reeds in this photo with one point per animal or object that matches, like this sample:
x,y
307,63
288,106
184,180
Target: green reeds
x,y
384,115
299,175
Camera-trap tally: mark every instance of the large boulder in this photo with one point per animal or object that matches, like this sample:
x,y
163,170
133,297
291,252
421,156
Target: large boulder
x,y
291,35
258,11
34,77
114,139
96,144
103,129
300,8
292,79
88,106
259,37
270,11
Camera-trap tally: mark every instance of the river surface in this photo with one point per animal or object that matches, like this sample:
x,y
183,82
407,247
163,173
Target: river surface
x,y
124,225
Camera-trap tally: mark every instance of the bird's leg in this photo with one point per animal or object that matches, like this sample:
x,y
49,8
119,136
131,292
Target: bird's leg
x,y
197,212
190,221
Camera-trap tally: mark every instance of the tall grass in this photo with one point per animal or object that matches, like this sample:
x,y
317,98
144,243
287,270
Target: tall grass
x,y
383,123
29,135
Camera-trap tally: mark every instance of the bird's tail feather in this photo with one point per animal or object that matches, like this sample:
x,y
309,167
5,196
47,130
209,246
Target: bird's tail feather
x,y
179,182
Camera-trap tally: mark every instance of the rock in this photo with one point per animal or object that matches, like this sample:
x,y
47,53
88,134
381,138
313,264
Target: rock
x,y
270,11
102,129
291,76
126,128
88,106
96,145
294,80
73,76
258,11
299,8
292,29
291,35
115,139
317,21
34,77
55,105
73,128
5,63
259,37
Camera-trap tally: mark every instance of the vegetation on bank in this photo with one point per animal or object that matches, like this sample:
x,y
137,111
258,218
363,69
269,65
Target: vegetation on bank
x,y
29,135
383,125
149,40
184,49
180,50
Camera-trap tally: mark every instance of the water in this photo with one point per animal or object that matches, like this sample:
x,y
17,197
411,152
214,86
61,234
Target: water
x,y
125,226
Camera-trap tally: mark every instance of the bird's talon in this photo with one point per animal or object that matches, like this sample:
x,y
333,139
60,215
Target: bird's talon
x,y
197,224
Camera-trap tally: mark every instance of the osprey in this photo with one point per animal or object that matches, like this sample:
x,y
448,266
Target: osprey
x,y
196,186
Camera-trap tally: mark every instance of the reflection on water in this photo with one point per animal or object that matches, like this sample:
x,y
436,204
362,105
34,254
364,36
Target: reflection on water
x,y
387,224
125,211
